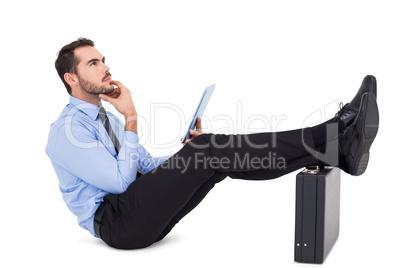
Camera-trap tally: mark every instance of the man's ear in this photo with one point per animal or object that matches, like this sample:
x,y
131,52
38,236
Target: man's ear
x,y
71,79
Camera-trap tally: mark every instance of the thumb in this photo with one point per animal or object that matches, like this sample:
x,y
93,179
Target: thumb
x,y
198,125
106,98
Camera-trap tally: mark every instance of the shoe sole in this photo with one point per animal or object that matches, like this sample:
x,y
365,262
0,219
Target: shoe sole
x,y
366,124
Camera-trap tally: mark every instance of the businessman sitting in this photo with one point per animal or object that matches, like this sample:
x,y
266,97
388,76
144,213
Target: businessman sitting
x,y
129,199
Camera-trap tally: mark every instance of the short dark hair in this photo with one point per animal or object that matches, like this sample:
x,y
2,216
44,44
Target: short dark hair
x,y
67,62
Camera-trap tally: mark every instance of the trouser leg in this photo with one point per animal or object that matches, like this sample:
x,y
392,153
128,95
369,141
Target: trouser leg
x,y
192,203
153,203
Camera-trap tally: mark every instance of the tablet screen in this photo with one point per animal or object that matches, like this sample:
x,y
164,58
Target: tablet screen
x,y
206,95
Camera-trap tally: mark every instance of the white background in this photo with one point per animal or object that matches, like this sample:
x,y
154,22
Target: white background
x,y
275,59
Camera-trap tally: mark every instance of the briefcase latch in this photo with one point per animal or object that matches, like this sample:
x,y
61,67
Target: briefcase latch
x,y
312,170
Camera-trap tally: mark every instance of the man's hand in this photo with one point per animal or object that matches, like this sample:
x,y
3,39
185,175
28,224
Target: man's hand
x,y
195,133
121,99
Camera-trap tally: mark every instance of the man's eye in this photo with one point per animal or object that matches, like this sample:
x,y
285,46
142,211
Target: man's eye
x,y
92,63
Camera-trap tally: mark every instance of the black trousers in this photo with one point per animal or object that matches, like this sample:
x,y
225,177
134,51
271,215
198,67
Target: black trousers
x,y
152,205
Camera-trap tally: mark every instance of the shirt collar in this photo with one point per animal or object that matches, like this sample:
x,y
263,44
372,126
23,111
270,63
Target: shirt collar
x,y
87,108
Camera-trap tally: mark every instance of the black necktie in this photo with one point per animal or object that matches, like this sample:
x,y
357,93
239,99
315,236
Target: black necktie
x,y
109,130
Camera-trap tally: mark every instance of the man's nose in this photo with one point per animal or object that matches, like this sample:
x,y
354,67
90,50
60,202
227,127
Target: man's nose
x,y
106,69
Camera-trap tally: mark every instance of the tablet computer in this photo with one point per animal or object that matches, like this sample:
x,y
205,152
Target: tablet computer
x,y
206,95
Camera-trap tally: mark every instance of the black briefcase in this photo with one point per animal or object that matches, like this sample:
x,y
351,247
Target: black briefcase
x,y
317,213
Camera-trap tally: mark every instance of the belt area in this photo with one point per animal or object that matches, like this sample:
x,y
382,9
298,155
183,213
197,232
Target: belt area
x,y
98,218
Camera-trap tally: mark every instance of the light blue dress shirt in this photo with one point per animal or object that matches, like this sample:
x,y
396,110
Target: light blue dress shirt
x,y
86,162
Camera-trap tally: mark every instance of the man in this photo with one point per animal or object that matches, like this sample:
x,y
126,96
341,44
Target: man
x,y
99,161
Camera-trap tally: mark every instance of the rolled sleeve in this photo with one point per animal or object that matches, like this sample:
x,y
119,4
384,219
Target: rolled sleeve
x,y
88,159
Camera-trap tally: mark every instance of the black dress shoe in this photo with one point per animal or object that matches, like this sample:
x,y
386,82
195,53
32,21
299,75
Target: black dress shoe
x,y
346,115
349,111
355,141
369,84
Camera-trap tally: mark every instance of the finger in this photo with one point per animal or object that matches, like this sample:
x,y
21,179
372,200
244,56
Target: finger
x,y
198,125
116,83
107,98
194,134
115,93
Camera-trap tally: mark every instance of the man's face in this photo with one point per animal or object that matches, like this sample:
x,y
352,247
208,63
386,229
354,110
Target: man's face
x,y
93,75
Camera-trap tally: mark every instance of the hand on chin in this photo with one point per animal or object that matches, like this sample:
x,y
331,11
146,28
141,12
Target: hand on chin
x,y
114,94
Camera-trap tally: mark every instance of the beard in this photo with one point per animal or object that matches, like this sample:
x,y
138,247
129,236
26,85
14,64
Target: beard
x,y
93,89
